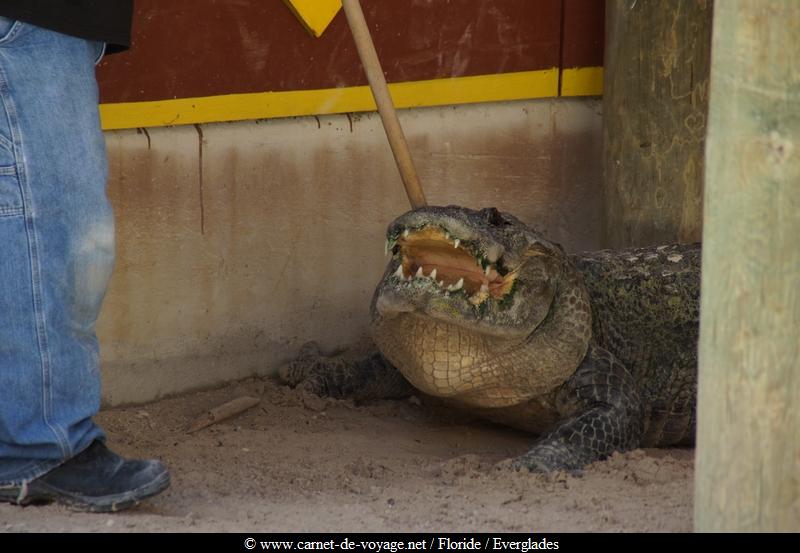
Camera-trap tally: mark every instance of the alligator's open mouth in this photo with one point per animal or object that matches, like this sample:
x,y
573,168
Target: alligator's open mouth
x,y
431,253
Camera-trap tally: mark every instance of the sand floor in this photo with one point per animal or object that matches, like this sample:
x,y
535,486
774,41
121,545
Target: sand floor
x,y
299,463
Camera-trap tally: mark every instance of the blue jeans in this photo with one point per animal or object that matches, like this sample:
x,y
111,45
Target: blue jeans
x,y
57,247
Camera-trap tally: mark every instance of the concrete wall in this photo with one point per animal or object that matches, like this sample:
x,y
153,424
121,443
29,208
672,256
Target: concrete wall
x,y
238,242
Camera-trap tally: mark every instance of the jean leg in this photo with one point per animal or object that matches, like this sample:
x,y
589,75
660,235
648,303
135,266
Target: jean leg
x,y
57,244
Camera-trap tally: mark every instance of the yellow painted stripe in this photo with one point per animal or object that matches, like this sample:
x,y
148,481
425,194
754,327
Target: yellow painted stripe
x,y
262,105
582,81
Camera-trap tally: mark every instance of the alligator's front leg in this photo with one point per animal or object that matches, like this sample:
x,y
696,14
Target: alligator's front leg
x,y
602,413
369,378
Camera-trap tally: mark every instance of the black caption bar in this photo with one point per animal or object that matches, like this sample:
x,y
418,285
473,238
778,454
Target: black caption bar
x,y
399,543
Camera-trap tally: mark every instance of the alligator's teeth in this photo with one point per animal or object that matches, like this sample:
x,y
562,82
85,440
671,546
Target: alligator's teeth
x,y
455,287
456,243
419,274
405,233
432,276
484,288
399,273
447,236
487,269
386,248
441,284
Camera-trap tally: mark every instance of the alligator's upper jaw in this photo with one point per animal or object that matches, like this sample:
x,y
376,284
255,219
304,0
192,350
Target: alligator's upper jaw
x,y
446,262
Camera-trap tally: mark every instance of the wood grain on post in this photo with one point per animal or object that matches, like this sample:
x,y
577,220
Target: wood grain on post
x,y
748,447
655,100
380,91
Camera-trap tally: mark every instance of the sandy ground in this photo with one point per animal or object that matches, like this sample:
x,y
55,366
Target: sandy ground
x,y
300,463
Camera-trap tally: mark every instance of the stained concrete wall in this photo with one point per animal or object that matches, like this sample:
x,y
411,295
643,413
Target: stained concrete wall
x,y
238,242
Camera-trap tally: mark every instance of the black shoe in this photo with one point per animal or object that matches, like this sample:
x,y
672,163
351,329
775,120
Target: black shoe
x,y
95,480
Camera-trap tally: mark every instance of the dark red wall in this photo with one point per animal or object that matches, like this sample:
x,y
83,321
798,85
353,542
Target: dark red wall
x,y
191,48
583,36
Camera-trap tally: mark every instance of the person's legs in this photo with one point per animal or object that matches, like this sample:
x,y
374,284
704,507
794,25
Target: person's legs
x,y
56,231
57,244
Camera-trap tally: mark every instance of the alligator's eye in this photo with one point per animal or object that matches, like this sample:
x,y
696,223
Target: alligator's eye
x,y
494,217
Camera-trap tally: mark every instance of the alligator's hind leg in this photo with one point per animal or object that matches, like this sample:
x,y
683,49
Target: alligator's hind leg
x,y
603,413
370,378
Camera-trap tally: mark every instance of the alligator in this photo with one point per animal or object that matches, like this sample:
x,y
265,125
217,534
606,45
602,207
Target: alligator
x,y
593,353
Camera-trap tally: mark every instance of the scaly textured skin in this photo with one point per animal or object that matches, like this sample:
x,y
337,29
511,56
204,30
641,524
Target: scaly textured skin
x,y
594,352
449,361
646,307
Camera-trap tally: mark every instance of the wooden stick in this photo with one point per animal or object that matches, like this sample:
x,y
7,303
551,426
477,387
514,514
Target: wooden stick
x,y
222,412
377,83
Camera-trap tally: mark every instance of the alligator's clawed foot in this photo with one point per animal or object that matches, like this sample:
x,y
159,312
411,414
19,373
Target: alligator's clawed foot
x,y
295,372
341,378
308,370
547,458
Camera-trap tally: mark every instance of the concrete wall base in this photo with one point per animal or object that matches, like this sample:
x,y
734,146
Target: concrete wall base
x,y
238,242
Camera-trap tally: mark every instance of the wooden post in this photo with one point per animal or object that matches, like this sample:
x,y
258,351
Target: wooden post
x,y
655,100
748,447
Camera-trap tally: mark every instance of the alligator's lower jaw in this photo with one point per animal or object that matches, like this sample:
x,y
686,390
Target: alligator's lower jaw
x,y
445,361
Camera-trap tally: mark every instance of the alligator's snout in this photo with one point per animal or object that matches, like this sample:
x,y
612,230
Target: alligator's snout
x,y
482,270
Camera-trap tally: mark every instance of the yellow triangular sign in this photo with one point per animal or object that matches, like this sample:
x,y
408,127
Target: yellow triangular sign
x,y
315,15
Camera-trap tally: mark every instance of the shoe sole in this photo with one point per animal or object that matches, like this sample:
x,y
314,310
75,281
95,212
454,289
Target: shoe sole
x,y
44,494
